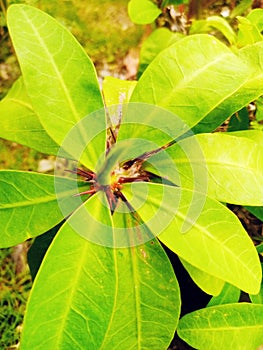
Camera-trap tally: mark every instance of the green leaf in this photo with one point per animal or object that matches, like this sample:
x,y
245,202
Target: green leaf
x,y
229,294
60,78
89,296
248,33
259,113
239,121
257,211
233,166
249,91
238,326
254,135
256,18
211,23
39,248
241,8
218,247
19,122
117,91
28,204
143,11
179,78
209,284
158,40
258,298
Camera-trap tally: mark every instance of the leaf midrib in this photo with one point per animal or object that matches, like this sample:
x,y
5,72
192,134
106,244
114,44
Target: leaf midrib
x,y
55,68
36,201
207,234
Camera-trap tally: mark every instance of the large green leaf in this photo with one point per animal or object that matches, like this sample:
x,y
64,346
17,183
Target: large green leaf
x,y
235,168
19,122
211,23
219,247
88,296
60,78
229,294
179,78
257,211
249,91
258,298
39,248
28,204
239,120
232,167
235,326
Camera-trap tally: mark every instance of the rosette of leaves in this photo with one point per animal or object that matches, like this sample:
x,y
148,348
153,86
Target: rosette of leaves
x,y
93,296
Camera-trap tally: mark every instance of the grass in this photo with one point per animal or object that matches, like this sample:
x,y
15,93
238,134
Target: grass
x,y
15,280
15,286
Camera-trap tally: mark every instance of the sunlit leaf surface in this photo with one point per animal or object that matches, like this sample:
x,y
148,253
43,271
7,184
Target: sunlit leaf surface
x,y
235,326
19,122
218,247
179,78
28,204
60,78
103,298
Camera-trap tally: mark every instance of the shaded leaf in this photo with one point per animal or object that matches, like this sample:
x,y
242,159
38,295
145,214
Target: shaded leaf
x,y
28,204
256,18
208,283
254,135
239,326
179,78
38,249
259,113
220,248
19,122
229,294
101,298
249,91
